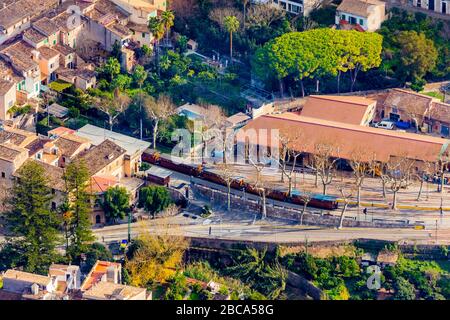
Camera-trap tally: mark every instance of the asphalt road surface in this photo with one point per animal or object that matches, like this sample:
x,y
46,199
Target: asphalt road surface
x,y
267,232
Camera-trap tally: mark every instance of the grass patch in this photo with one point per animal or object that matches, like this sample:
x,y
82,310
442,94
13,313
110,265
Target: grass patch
x,y
434,94
164,149
59,85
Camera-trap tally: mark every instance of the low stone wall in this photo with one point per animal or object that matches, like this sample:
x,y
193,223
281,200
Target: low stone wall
x,y
316,217
436,86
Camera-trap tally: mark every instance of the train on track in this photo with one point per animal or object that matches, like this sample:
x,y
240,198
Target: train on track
x,y
297,197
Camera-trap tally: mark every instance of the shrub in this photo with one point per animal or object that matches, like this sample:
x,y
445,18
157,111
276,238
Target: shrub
x,y
154,199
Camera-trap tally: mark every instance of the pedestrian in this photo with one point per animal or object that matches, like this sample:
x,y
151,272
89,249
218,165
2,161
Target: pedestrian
x,y
365,211
210,230
103,238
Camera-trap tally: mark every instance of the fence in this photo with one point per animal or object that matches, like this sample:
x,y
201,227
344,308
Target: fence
x,y
277,210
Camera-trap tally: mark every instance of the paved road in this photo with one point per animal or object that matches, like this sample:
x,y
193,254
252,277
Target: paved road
x,y
428,218
271,231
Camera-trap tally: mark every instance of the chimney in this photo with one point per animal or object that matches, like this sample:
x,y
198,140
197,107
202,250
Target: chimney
x,y
36,55
111,274
35,289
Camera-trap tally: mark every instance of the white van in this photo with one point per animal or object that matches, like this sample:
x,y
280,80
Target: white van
x,y
388,125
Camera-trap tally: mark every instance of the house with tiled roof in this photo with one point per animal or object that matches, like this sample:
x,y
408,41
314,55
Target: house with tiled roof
x,y
55,181
109,163
60,150
292,6
11,158
16,16
134,148
379,145
439,118
63,282
345,109
433,6
360,15
105,158
22,58
112,291
82,78
68,277
26,283
67,56
18,137
104,282
430,114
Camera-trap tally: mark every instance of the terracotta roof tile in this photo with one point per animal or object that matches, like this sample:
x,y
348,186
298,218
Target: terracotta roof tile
x,y
358,7
379,143
344,109
101,156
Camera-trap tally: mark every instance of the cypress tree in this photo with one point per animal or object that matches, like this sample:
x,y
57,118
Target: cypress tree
x,y
77,221
30,219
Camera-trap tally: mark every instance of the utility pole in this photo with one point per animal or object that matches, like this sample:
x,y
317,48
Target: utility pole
x,y
436,231
48,115
129,227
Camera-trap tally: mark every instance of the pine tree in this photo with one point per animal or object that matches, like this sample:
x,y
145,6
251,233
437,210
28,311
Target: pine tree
x,y
76,178
31,219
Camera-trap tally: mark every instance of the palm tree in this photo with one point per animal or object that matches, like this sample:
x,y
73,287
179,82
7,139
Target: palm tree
x,y
167,19
156,27
231,24
261,269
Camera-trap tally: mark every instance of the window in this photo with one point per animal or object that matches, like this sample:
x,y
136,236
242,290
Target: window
x,y
343,17
3,175
54,42
295,9
361,22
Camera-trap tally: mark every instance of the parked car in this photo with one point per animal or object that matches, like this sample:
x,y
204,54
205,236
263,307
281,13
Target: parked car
x,y
388,125
402,125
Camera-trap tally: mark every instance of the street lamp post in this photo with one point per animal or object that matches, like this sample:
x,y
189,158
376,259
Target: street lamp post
x,y
436,231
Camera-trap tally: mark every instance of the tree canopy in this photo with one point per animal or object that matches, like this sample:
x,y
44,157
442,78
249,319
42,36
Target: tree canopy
x,y
31,218
318,52
116,203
